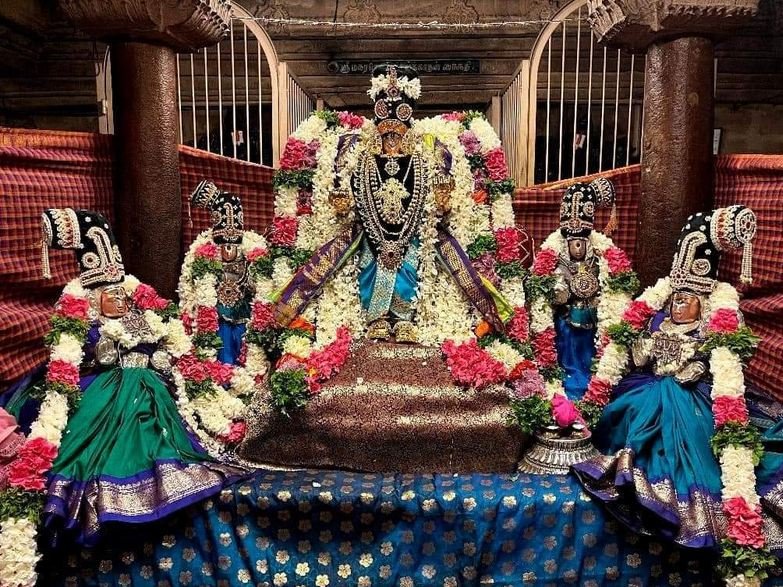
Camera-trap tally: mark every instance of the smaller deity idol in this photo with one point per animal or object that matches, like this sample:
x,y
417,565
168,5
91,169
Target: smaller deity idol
x,y
124,454
225,245
660,475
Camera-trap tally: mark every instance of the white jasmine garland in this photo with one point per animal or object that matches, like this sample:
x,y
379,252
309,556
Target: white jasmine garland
x,y
176,341
205,291
488,138
52,418
281,272
68,349
513,290
408,87
158,328
285,201
505,354
312,128
738,475
18,553
726,369
299,346
503,212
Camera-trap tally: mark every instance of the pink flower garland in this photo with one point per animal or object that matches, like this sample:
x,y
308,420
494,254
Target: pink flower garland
x,y
284,231
33,461
545,262
146,298
471,365
208,251
70,306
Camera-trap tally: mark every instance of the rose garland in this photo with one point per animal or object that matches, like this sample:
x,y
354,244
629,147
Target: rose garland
x,y
22,502
618,283
729,343
217,392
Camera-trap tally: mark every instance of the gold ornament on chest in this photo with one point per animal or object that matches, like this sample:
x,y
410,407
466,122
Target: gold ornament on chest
x,y
390,198
135,323
229,290
584,282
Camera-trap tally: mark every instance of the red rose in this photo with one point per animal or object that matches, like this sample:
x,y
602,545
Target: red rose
x,y
729,409
745,524
220,373
256,253
294,155
638,313
206,319
723,320
617,260
508,244
146,298
208,251
192,368
495,161
521,369
284,231
599,391
262,317
544,348
518,328
72,307
63,372
545,262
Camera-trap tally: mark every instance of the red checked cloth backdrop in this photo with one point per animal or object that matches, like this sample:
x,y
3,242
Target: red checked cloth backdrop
x,y
41,169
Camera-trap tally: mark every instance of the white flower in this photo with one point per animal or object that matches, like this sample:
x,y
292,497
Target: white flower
x,y
742,581
255,361
503,212
613,363
176,342
727,376
486,135
540,316
285,201
68,349
738,475
52,418
600,242
157,326
657,295
242,383
312,128
723,296
209,410
298,346
513,289
553,388
18,553
408,87
252,240
281,272
74,288
205,291
504,353
130,283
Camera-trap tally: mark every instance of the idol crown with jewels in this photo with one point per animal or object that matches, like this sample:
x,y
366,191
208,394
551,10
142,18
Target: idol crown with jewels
x,y
226,210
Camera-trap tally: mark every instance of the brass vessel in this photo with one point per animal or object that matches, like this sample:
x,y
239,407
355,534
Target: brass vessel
x,y
554,451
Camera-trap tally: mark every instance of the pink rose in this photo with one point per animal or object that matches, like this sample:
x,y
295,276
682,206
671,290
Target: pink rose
x,y
617,260
256,253
745,524
350,120
545,262
507,244
33,461
729,409
495,161
471,365
723,320
236,432
563,411
208,251
599,391
206,319
544,348
638,313
325,363
518,328
63,372
187,322
72,307
453,116
294,155
192,368
262,316
220,373
284,231
146,298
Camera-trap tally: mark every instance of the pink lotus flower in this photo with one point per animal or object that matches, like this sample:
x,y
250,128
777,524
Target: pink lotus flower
x,y
60,371
508,240
350,120
206,319
617,260
723,320
745,524
262,317
72,307
638,313
146,298
284,231
726,408
208,251
495,161
545,262
544,348
471,365
518,327
564,411
256,253
599,391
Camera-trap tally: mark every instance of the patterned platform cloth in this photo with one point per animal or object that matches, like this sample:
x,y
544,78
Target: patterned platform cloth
x,y
325,529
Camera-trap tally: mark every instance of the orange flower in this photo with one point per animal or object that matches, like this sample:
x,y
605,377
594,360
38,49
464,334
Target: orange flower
x,y
483,328
300,323
480,197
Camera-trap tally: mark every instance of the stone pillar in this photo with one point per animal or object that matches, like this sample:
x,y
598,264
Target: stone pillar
x,y
144,36
147,198
677,163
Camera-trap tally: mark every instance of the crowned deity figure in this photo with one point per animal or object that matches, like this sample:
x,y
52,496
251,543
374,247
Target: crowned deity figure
x,y
675,425
216,300
123,452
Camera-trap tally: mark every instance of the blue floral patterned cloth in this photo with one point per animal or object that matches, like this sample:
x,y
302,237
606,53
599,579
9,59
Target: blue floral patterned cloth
x,y
337,528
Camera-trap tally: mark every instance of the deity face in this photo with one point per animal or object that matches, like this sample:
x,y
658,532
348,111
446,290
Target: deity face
x,y
229,252
114,302
577,248
685,308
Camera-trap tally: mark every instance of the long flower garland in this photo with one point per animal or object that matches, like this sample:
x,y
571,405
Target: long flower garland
x,y
618,283
217,392
737,445
22,502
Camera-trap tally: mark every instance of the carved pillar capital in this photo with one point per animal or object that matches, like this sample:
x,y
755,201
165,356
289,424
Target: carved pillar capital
x,y
183,25
638,23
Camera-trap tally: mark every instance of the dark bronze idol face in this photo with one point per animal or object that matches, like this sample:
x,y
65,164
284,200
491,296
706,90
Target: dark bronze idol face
x,y
114,302
685,308
577,248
